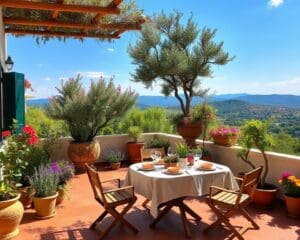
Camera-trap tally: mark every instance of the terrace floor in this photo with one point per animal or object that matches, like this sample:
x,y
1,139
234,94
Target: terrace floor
x,y
74,216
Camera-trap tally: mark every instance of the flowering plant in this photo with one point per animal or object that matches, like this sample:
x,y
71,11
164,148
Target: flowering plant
x,y
291,184
203,113
225,132
44,181
27,84
16,150
114,156
64,170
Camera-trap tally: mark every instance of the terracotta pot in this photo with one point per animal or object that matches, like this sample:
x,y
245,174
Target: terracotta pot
x,y
26,196
170,165
82,153
45,207
62,195
190,132
293,206
227,141
11,213
134,151
264,198
115,166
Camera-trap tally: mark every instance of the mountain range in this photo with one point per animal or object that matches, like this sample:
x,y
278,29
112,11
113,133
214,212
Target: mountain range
x,y
291,101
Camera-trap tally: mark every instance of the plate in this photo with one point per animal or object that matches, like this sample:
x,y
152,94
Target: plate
x,y
170,173
207,169
143,169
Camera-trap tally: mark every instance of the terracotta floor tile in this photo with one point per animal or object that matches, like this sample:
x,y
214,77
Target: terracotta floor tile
x,y
74,216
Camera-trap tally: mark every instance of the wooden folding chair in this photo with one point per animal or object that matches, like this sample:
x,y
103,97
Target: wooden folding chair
x,y
224,202
110,200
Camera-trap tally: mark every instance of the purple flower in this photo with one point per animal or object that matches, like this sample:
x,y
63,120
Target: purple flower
x,y
56,168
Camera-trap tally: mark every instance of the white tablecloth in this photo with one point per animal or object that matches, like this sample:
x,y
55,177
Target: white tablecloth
x,y
160,187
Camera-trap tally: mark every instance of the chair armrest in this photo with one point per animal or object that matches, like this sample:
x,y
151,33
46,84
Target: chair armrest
x,y
115,179
238,178
121,189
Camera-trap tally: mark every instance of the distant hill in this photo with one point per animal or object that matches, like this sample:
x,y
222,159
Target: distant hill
x,y
279,100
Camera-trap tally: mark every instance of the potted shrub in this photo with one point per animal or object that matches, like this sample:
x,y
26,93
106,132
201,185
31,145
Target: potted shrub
x,y
291,185
157,143
134,147
182,151
225,136
19,156
178,63
255,135
170,161
65,172
114,157
11,211
87,112
45,183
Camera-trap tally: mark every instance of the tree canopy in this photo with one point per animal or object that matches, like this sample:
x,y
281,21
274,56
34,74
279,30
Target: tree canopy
x,y
177,55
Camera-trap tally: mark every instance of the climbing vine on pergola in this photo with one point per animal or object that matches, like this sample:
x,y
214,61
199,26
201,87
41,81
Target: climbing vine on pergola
x,y
45,19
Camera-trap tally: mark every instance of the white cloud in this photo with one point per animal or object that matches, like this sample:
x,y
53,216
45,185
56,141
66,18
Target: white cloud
x,y
48,79
275,3
110,49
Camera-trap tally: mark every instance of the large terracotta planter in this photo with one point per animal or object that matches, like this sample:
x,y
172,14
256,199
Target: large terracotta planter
x,y
293,206
11,213
190,132
227,141
45,207
26,196
82,153
264,198
134,151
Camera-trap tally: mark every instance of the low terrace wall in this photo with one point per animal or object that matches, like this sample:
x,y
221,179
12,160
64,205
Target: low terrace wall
x,y
278,163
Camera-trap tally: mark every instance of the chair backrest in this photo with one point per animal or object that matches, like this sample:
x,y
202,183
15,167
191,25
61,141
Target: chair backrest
x,y
95,183
250,181
146,153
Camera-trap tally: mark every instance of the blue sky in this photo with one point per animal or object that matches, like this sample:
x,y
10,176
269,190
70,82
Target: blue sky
x,y
263,35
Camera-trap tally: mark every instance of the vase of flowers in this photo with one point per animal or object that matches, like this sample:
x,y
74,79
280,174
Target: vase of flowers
x,y
291,185
65,172
88,112
45,183
225,136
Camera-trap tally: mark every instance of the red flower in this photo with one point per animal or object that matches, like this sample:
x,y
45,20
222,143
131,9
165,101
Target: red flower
x,y
33,140
6,133
27,129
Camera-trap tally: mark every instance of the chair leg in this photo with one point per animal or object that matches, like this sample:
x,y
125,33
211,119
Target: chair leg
x,y
144,204
99,219
248,217
191,212
119,217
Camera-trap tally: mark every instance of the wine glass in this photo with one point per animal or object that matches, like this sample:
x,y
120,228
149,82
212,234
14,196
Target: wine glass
x,y
158,154
197,154
171,152
153,155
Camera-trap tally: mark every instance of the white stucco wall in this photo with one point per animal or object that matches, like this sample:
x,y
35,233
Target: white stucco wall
x,y
2,42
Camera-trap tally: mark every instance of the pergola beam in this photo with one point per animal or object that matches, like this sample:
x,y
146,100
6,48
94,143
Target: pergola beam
x,y
114,4
53,23
59,34
59,7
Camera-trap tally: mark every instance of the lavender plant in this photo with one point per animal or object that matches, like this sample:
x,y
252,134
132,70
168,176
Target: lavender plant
x,y
44,181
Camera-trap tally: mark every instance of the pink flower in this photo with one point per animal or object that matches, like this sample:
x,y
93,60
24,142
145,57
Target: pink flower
x,y
6,133
285,175
186,119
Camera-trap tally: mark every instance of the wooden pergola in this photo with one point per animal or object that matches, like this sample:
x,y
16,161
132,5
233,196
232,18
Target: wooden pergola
x,y
55,18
